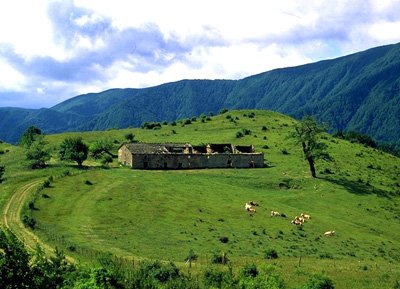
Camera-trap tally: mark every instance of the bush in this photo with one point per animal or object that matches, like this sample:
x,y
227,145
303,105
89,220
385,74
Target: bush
x,y
158,272
89,183
249,270
130,137
239,134
29,222
214,278
224,239
319,281
265,147
271,254
46,184
264,128
151,125
285,151
219,258
222,111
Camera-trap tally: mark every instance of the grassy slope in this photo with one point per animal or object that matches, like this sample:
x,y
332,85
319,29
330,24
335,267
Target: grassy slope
x,y
164,214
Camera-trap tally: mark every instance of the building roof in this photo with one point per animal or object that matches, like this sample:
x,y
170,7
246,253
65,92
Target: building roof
x,y
151,148
171,148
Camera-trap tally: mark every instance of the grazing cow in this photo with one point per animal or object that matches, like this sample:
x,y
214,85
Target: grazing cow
x,y
249,207
296,222
275,214
252,210
305,216
255,204
329,233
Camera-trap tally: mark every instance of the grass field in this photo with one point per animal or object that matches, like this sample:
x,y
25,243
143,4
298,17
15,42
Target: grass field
x,y
164,214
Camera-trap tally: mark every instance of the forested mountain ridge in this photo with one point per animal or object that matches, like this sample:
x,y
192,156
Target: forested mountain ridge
x,y
356,92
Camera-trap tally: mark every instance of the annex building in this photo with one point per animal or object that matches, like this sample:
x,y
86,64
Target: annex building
x,y
187,156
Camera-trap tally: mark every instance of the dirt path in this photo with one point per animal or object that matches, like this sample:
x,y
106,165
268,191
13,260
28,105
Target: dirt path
x,y
12,219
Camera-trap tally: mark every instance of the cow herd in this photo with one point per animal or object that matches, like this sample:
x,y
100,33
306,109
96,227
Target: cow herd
x,y
298,220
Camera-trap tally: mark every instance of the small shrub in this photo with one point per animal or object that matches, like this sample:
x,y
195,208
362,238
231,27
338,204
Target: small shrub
x,y
29,222
224,239
173,131
187,121
151,125
71,248
239,134
264,128
319,281
284,151
213,278
228,116
31,205
66,173
249,270
251,115
265,147
129,137
173,123
219,258
45,196
224,110
271,254
46,184
325,256
89,183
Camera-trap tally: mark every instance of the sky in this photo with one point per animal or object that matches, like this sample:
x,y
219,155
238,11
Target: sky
x,y
54,50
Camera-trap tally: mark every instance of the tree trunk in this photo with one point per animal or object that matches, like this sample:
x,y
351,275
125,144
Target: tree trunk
x,y
312,166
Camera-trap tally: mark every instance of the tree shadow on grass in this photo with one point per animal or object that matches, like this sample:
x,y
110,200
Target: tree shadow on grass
x,y
360,188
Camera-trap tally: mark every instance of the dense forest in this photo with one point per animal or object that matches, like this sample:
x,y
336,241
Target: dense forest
x,y
358,92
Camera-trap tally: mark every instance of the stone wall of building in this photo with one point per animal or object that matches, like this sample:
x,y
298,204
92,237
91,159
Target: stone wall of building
x,y
195,161
125,156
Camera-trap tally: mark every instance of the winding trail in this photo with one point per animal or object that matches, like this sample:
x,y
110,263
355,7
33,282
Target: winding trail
x,y
11,219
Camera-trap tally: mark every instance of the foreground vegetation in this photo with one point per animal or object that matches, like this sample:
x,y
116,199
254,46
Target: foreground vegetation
x,y
139,216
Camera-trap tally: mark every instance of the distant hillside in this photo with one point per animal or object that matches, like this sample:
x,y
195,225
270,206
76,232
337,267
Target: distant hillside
x,y
357,92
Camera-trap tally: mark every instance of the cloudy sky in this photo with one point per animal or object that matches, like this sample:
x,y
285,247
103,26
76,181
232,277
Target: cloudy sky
x,y
54,50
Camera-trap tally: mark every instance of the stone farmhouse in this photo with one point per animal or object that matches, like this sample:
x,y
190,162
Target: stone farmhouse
x,y
187,156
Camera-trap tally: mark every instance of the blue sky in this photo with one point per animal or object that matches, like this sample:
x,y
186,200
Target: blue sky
x,y
53,50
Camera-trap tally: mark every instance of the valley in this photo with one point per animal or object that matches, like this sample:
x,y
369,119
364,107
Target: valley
x,y
136,215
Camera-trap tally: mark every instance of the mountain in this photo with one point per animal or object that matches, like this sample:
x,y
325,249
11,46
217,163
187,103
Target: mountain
x,y
358,92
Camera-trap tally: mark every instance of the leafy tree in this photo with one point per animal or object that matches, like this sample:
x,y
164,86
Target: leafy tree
x,y
130,137
101,147
73,149
14,262
38,153
2,170
307,133
29,136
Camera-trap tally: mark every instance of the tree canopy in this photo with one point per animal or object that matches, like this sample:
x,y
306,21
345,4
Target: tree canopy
x,y
73,149
38,153
307,133
29,136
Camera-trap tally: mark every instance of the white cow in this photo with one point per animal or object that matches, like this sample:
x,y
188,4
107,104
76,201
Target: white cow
x,y
275,214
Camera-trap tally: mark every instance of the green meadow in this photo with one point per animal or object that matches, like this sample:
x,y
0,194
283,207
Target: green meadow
x,y
162,215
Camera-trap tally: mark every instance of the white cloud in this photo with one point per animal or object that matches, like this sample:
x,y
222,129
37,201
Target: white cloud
x,y
92,45
10,78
